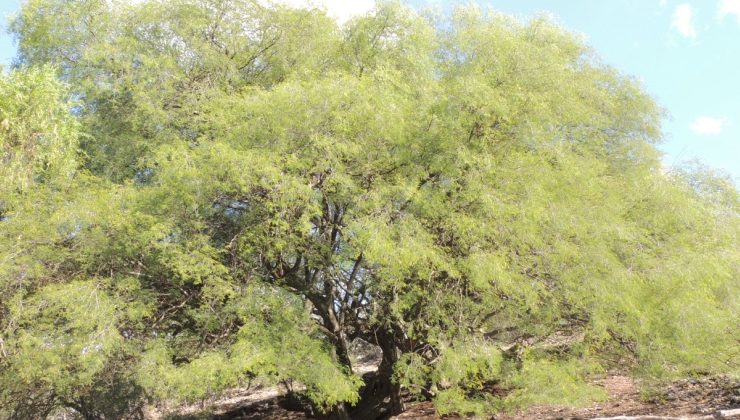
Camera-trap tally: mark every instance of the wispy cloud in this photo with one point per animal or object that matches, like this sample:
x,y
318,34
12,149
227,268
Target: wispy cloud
x,y
729,7
683,20
707,125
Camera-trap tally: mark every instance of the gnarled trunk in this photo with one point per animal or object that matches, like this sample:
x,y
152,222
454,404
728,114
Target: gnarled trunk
x,y
381,397
392,389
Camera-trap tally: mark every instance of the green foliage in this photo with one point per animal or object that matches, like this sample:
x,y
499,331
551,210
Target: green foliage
x,y
455,401
66,333
257,186
544,381
38,136
58,344
460,379
471,364
277,342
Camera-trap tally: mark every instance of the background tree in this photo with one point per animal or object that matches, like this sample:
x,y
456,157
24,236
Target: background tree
x,y
257,187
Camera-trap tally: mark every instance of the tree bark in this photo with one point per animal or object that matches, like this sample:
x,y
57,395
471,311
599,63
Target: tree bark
x,y
391,354
342,349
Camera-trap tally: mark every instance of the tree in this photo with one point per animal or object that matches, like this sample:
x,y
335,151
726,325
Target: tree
x,y
256,187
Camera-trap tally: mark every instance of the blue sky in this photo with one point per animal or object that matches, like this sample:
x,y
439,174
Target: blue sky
x,y
685,52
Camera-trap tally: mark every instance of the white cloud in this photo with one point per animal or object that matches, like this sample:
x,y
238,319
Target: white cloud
x,y
341,10
729,7
707,125
663,3
683,20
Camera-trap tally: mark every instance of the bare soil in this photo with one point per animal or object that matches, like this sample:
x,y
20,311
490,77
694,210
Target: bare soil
x,y
687,399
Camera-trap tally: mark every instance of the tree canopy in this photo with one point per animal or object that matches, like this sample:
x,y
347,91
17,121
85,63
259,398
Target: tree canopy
x,y
203,194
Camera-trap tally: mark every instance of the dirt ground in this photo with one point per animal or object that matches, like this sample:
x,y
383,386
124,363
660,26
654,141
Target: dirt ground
x,y
689,399
683,399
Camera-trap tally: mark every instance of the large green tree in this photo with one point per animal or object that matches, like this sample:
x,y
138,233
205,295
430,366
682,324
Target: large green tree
x,y
231,192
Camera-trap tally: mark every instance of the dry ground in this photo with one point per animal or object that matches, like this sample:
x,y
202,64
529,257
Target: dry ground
x,y
689,398
683,399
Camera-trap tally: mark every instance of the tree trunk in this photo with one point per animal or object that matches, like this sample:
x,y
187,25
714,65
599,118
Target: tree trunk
x,y
341,346
335,333
380,398
392,389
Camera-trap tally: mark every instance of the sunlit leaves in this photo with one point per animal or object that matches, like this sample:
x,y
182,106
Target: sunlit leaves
x,y
256,186
38,136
